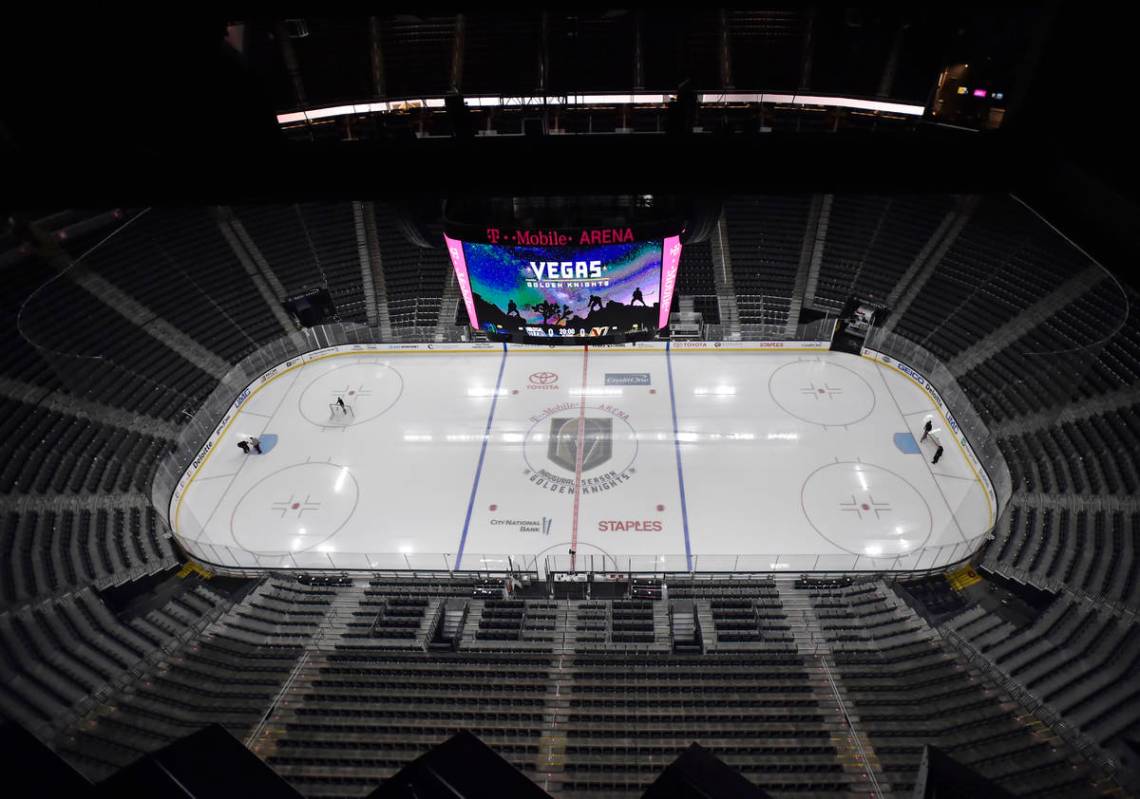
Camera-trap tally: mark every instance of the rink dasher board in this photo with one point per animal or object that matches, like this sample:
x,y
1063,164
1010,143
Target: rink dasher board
x,y
948,419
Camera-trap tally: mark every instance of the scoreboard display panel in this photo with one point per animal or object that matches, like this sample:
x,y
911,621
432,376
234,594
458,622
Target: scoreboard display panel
x,y
566,285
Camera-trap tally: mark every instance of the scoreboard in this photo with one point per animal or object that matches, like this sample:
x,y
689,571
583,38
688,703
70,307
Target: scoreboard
x,y
565,284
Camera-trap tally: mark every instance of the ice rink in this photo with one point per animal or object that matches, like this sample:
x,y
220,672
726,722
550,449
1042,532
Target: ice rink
x,y
745,458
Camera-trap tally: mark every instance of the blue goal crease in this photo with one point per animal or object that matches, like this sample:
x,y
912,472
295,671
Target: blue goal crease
x,y
906,444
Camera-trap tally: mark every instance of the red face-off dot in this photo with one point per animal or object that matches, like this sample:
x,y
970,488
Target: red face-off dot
x,y
660,508
296,505
515,391
493,508
351,393
652,391
866,506
821,391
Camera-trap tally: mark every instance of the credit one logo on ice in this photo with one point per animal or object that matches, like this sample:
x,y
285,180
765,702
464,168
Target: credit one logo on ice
x,y
627,378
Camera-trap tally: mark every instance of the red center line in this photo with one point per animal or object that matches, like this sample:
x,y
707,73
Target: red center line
x,y
578,462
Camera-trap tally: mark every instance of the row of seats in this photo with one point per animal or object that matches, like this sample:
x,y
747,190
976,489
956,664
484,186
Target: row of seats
x,y
308,245
871,242
1001,262
61,655
366,713
414,277
1096,455
862,617
695,279
935,595
744,620
23,274
916,690
1094,552
1072,353
228,673
1084,350
43,553
1080,659
102,356
46,452
766,244
720,588
201,286
361,711
400,617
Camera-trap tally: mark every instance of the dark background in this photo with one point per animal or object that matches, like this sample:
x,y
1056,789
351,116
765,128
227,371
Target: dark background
x,y
151,110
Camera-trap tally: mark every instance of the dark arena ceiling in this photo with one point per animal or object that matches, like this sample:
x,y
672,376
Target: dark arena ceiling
x,y
135,111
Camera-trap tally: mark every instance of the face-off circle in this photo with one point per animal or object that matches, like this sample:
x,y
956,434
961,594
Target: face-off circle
x,y
821,392
295,509
866,510
370,389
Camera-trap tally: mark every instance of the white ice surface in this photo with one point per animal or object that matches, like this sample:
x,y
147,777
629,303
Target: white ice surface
x,y
788,459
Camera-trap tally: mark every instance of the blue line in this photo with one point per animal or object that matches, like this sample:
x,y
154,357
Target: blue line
x,y
680,471
482,455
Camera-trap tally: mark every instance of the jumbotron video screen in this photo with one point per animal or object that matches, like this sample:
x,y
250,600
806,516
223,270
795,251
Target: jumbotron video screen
x,y
584,284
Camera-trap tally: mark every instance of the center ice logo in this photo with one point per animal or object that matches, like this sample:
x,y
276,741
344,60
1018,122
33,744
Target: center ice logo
x,y
597,442
609,448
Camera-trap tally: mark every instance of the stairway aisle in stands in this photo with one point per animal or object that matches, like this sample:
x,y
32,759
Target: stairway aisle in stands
x,y
852,745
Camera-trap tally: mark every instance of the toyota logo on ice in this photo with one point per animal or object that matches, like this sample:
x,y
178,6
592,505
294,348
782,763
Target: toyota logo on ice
x,y
547,381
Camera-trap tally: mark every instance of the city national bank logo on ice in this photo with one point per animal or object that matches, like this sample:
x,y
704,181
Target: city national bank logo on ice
x,y
543,381
526,525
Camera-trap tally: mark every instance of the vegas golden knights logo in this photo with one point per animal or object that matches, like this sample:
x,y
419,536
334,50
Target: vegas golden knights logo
x,y
597,442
